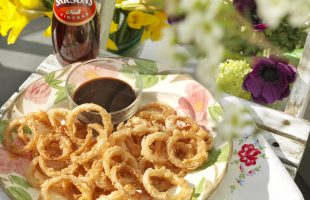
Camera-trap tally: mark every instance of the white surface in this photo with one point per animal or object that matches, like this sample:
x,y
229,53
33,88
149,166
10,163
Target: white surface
x,y
272,182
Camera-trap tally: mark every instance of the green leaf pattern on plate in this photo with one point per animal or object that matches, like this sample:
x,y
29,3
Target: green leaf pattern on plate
x,y
216,156
3,125
148,70
19,181
18,193
198,189
215,111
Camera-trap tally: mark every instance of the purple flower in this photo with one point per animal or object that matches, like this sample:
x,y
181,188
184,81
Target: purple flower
x,y
248,9
269,80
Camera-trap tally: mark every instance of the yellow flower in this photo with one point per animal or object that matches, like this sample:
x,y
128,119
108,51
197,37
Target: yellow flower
x,y
48,31
11,21
110,44
32,4
153,30
137,19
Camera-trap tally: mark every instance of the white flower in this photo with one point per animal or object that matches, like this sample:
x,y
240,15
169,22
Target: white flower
x,y
272,11
236,121
299,12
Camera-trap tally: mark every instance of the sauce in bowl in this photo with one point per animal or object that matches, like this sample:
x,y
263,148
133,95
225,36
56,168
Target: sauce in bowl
x,y
110,93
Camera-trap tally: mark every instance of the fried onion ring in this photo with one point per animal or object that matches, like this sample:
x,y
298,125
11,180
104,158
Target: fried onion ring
x,y
95,150
181,123
184,192
159,153
51,171
191,162
73,117
117,155
49,141
34,174
125,178
57,117
155,108
30,143
81,185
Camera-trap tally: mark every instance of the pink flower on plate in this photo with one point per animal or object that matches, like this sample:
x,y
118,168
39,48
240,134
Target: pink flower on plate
x,y
89,71
38,92
196,103
10,163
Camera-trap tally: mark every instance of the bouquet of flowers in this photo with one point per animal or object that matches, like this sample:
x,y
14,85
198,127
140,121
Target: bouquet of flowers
x,y
16,14
252,47
133,23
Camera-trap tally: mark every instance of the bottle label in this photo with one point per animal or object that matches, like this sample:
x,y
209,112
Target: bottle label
x,y
74,12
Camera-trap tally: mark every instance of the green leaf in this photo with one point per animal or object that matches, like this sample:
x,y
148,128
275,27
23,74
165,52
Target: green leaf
x,y
146,66
55,82
215,111
19,181
49,77
294,56
224,153
198,189
212,158
61,95
48,4
149,80
19,193
3,125
216,156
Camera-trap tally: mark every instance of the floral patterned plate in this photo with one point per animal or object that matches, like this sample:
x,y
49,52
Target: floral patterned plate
x,y
178,90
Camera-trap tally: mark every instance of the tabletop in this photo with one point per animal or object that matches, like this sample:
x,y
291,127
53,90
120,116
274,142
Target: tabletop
x,y
287,137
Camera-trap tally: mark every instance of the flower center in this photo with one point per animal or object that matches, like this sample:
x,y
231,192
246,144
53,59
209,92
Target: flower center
x,y
269,74
198,106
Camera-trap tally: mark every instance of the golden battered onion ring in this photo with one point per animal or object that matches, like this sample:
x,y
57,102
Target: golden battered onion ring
x,y
118,138
117,155
34,174
99,179
144,164
40,117
124,139
115,195
95,150
57,117
192,162
73,117
52,172
158,155
181,123
81,185
134,122
158,121
63,143
185,191
19,124
125,178
155,108
207,137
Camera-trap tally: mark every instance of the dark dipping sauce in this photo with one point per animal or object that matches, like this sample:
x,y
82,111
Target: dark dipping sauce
x,y
110,93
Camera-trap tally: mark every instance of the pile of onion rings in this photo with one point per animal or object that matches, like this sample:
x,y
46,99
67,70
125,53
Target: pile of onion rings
x,y
145,157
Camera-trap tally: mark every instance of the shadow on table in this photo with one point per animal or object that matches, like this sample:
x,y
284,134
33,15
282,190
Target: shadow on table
x,y
10,80
32,47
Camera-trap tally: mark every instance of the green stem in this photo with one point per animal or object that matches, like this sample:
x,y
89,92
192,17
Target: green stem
x,y
116,20
122,31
